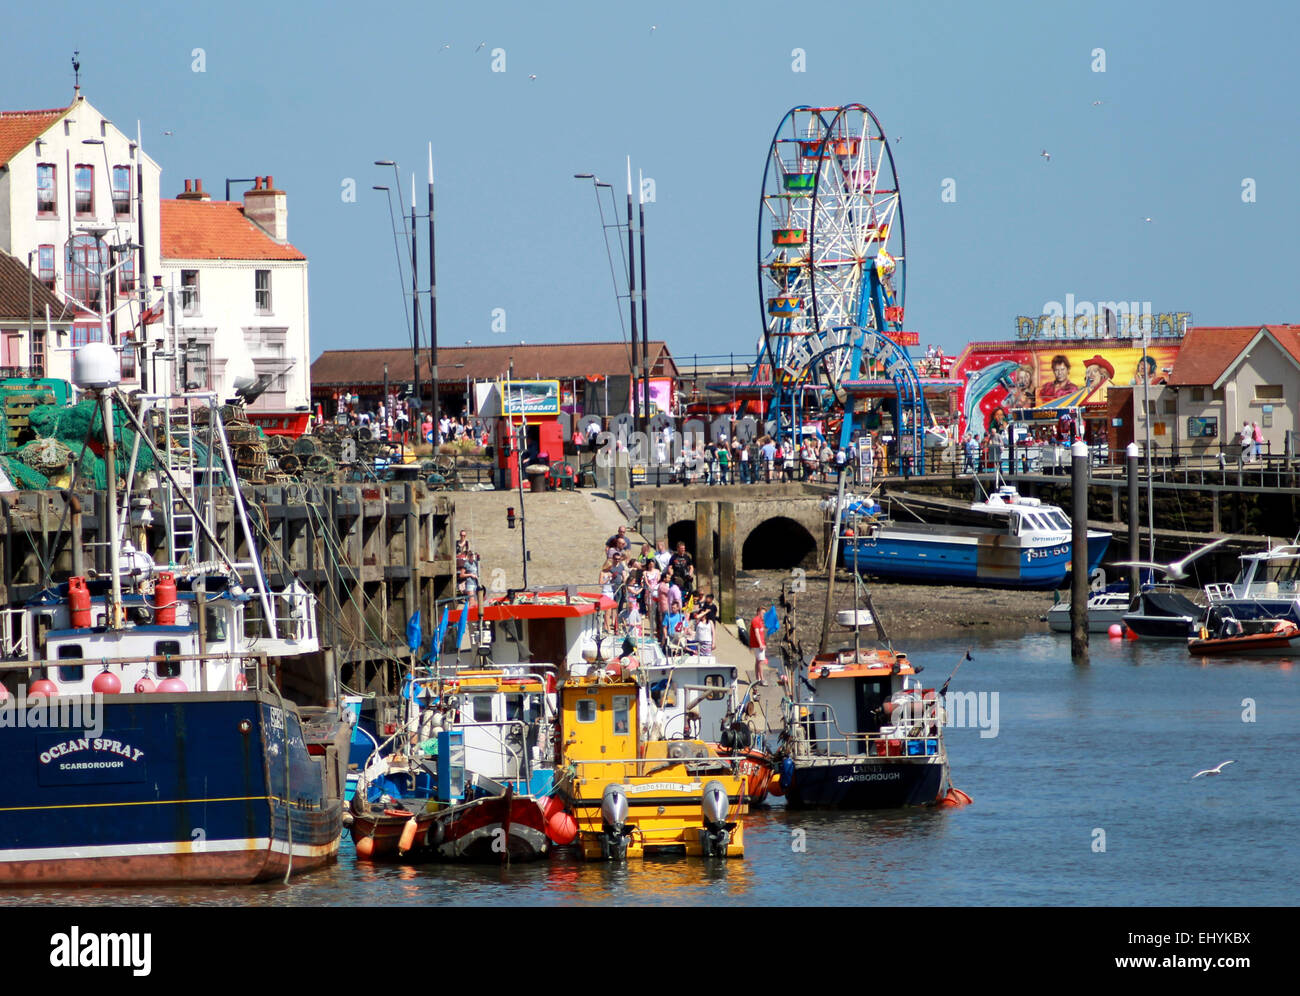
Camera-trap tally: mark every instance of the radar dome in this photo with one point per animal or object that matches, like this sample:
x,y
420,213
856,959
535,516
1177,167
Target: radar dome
x,y
96,365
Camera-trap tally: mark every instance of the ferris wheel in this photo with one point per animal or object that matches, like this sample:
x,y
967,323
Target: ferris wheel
x,y
831,256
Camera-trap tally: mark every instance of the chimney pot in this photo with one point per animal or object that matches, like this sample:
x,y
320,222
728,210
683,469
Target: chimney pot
x,y
198,186
189,186
270,182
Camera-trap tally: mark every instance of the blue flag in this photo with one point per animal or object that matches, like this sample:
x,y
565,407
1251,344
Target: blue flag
x,y
460,626
414,634
771,622
441,633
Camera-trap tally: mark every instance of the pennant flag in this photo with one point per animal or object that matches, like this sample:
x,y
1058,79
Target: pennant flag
x,y
414,634
441,633
771,622
460,626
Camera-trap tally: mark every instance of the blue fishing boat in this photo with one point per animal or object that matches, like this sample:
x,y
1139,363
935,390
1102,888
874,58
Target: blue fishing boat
x,y
1019,543
167,724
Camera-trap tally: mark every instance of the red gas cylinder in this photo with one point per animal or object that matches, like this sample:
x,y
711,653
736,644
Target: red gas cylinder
x,y
79,602
164,599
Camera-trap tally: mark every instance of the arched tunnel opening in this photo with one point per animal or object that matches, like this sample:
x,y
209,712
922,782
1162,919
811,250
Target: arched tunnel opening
x,y
778,544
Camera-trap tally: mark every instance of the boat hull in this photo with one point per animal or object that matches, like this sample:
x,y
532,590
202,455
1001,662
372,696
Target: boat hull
x,y
863,782
494,829
957,555
176,788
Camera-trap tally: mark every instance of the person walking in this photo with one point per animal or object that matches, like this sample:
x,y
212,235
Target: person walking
x,y
1258,438
724,462
1247,441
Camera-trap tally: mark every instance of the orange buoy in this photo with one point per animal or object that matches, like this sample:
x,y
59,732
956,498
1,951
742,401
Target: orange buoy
x,y
365,847
407,839
164,599
955,799
106,683
561,827
775,788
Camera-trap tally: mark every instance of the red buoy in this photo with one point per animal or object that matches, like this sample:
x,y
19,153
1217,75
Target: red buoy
x,y
365,848
775,788
164,599
241,683
407,839
79,602
106,683
144,686
4,694
42,687
561,827
172,685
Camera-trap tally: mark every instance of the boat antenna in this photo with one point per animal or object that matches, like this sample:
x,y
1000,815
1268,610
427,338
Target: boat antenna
x,y
943,689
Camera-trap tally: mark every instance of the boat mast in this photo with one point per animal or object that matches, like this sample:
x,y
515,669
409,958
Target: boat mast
x,y
114,542
1146,420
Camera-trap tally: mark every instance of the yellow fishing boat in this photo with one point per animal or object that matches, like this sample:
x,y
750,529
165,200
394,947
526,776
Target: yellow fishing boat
x,y
631,796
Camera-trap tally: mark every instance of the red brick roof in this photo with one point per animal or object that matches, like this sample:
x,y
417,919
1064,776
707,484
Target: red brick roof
x,y
543,361
19,129
194,229
1208,351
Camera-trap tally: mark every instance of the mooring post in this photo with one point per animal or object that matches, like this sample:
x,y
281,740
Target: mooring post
x,y
1079,555
1133,540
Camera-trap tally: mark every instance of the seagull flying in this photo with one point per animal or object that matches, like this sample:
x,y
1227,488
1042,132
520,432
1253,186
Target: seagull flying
x,y
1214,771
445,47
652,28
166,133
480,46
1098,103
1047,156
1148,219
532,76
1177,570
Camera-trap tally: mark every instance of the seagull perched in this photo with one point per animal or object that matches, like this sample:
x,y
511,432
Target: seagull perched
x,y
1177,570
1047,156
1214,771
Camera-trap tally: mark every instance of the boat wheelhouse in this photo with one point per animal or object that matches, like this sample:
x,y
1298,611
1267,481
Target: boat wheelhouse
x,y
1267,587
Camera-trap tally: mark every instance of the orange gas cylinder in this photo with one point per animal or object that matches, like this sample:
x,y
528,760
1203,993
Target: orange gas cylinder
x,y
164,599
79,602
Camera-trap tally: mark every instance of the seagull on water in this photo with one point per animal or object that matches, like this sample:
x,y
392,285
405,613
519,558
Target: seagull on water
x,y
1214,771
1047,156
1177,570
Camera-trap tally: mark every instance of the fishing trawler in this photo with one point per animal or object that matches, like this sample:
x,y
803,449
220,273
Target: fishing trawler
x,y
167,725
868,735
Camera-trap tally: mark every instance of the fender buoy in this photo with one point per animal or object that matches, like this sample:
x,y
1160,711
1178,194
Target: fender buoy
x,y
365,848
561,827
775,788
144,686
41,688
407,839
106,683
172,685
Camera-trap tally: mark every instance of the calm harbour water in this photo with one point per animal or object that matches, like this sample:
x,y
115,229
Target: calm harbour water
x,y
1110,747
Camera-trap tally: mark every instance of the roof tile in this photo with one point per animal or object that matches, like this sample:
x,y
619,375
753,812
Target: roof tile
x,y
194,229
18,129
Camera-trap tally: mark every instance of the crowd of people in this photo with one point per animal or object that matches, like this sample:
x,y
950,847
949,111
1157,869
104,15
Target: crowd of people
x,y
394,418
768,460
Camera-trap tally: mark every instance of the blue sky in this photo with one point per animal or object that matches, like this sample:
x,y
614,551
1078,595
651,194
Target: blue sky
x,y
1196,97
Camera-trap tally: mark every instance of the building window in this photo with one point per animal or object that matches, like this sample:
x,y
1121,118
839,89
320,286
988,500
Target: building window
x,y
263,294
1217,394
126,274
190,292
1198,394
84,332
1268,392
47,196
45,265
84,190
38,352
87,259
197,366
122,191
128,362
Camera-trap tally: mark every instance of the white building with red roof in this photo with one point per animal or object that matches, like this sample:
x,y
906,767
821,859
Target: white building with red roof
x,y
78,201
238,295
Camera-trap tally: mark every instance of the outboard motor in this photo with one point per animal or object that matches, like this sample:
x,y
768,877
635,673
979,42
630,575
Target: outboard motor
x,y
716,834
613,810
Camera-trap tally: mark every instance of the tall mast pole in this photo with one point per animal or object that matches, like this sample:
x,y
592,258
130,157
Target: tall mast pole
x,y
645,320
631,299
415,306
433,309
